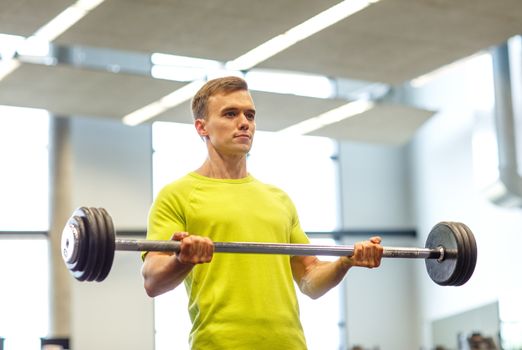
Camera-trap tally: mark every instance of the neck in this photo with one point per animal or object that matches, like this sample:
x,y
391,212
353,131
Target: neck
x,y
224,168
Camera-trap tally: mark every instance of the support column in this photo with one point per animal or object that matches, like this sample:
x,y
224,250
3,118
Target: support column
x,y
60,156
343,294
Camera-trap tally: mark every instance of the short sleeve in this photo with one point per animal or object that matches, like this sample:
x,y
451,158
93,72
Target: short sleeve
x,y
297,235
165,216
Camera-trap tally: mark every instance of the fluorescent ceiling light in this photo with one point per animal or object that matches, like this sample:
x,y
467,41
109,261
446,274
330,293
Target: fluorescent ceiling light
x,y
21,111
144,113
162,59
66,19
7,67
302,31
181,68
181,95
37,43
282,82
20,49
8,45
184,74
333,116
437,73
220,73
60,23
34,46
172,100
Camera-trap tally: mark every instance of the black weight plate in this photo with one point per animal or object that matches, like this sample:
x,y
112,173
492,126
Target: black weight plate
x,y
78,270
102,244
101,247
110,244
474,252
471,253
92,232
96,247
83,236
463,256
69,243
81,257
442,272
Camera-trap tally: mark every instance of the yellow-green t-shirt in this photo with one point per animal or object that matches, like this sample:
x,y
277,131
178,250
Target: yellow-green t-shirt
x,y
238,301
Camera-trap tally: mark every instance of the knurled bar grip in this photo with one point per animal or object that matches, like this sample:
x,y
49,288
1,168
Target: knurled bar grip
x,y
279,248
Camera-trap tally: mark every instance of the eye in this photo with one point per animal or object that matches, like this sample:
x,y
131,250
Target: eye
x,y
230,114
250,115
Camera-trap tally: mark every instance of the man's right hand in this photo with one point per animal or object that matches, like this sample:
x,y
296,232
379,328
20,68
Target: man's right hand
x,y
194,249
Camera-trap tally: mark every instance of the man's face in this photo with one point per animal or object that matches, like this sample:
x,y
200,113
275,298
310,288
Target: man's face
x,y
230,122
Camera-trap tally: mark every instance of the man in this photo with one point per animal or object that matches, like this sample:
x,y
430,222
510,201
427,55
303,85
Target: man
x,y
237,301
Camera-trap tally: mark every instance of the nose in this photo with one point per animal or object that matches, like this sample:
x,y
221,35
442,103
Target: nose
x,y
243,122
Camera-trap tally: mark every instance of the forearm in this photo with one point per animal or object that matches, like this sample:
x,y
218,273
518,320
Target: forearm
x,y
322,276
162,273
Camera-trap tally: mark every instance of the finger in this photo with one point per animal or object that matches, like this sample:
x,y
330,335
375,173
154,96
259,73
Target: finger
x,y
357,253
361,256
377,255
185,251
370,255
209,250
201,251
178,236
377,261
184,256
376,240
380,251
196,250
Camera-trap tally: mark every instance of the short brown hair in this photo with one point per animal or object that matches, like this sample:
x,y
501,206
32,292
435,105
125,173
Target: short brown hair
x,y
213,87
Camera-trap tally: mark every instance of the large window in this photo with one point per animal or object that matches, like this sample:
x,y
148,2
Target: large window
x,y
24,297
304,168
24,304
24,181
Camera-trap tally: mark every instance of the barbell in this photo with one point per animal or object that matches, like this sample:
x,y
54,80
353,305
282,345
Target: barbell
x,y
88,244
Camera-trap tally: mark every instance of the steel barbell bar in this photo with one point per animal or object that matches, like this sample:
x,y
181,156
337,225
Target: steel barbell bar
x,y
277,248
89,244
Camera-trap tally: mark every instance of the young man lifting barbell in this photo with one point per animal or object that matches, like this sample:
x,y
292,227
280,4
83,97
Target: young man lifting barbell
x,y
236,301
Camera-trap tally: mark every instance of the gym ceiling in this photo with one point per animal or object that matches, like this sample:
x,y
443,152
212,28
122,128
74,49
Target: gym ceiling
x,y
380,48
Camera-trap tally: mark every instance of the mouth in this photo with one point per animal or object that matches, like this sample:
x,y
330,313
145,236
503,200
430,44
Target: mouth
x,y
242,136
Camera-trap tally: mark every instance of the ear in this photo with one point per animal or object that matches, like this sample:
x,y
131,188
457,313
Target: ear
x,y
200,126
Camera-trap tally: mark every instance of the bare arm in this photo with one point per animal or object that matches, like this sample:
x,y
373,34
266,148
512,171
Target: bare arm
x,y
315,277
163,271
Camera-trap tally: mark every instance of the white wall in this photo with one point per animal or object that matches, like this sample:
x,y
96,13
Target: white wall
x,y
375,186
112,169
